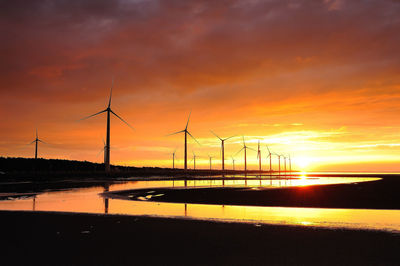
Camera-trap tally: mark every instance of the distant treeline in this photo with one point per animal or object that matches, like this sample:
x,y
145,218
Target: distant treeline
x,y
10,164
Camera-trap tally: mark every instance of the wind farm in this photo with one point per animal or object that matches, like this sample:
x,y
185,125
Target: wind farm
x,y
200,132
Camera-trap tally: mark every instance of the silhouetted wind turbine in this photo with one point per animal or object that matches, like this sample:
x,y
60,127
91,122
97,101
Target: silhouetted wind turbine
x,y
108,111
36,143
186,133
279,158
284,157
270,159
233,163
173,159
245,153
259,156
194,161
210,160
222,148
290,164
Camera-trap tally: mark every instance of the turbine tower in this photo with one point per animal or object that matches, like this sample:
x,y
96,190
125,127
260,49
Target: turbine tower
x,y
233,163
222,149
270,159
109,111
36,143
259,156
245,153
186,133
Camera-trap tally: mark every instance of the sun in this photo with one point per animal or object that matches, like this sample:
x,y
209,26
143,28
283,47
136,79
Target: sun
x,y
303,162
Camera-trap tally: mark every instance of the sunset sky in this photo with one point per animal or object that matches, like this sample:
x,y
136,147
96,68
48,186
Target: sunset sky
x,y
319,80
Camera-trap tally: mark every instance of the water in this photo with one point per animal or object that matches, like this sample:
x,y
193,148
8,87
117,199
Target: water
x,y
88,200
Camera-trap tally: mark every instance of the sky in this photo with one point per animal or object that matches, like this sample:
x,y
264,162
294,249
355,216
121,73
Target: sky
x,y
316,79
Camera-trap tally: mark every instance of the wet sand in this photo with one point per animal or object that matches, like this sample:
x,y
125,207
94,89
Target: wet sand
x,y
83,239
380,194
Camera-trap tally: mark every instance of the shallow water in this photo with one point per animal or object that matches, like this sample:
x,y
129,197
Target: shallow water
x,y
88,200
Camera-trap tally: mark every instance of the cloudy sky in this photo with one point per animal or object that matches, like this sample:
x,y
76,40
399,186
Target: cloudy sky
x,y
315,79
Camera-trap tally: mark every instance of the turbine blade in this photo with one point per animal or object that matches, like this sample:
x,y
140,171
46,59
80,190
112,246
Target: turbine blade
x,y
43,141
36,134
31,142
175,133
230,137
250,148
216,135
193,138
92,115
238,151
102,150
122,119
268,149
187,123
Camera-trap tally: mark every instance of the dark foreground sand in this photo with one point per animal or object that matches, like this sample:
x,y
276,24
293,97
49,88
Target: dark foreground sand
x,y
381,194
81,239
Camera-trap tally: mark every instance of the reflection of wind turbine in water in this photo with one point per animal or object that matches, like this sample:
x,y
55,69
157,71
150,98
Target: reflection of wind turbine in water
x,y
270,159
36,143
259,156
186,133
245,153
222,149
108,111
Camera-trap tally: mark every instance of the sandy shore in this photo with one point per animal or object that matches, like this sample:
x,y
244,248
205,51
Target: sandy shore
x,y
84,239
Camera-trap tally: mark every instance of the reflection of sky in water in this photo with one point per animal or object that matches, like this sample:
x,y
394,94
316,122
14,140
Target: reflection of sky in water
x,y
87,200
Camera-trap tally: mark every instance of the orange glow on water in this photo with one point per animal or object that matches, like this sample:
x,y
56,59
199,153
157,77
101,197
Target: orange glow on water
x,y
88,200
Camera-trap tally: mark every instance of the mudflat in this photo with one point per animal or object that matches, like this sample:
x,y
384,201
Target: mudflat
x,y
47,238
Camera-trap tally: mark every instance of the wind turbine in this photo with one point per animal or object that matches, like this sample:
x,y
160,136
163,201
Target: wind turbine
x,y
173,159
245,153
36,143
284,157
186,133
270,159
194,161
103,150
279,158
290,164
109,111
259,156
222,149
233,163
210,160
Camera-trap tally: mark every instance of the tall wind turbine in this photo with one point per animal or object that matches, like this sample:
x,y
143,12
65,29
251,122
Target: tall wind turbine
x,y
270,159
36,143
222,149
233,163
245,153
259,156
109,111
186,133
